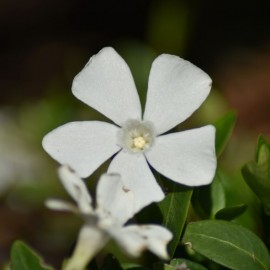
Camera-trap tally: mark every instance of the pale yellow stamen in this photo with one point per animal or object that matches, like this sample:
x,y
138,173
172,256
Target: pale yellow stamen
x,y
139,142
136,136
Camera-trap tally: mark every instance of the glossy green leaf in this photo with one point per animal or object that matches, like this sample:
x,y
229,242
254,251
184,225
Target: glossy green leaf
x,y
174,209
207,200
23,258
230,213
224,127
257,173
189,264
227,244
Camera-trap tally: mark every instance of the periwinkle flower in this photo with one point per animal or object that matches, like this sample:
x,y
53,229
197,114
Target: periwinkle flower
x,y
176,88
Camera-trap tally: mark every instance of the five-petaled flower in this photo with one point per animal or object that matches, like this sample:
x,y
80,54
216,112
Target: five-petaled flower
x,y
176,88
114,206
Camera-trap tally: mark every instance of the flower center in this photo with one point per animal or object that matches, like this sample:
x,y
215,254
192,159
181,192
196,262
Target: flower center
x,y
136,136
139,142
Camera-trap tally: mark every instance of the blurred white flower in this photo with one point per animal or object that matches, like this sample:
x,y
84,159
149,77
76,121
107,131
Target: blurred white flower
x,y
176,88
114,206
18,161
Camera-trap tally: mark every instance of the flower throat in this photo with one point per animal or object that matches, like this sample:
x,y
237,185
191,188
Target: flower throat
x,y
136,136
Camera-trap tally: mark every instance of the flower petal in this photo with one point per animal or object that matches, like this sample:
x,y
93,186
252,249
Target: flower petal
x,y
176,88
84,146
137,176
114,199
90,241
76,189
186,157
107,85
135,239
60,205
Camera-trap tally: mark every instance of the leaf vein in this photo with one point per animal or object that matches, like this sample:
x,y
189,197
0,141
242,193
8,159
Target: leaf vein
x,y
252,255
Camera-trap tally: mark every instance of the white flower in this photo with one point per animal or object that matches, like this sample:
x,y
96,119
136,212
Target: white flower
x,y
114,206
19,162
176,88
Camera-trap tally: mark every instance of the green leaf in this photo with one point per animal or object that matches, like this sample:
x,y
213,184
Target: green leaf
x,y
261,141
163,266
208,200
228,244
257,173
23,258
230,213
189,264
174,210
179,264
224,127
